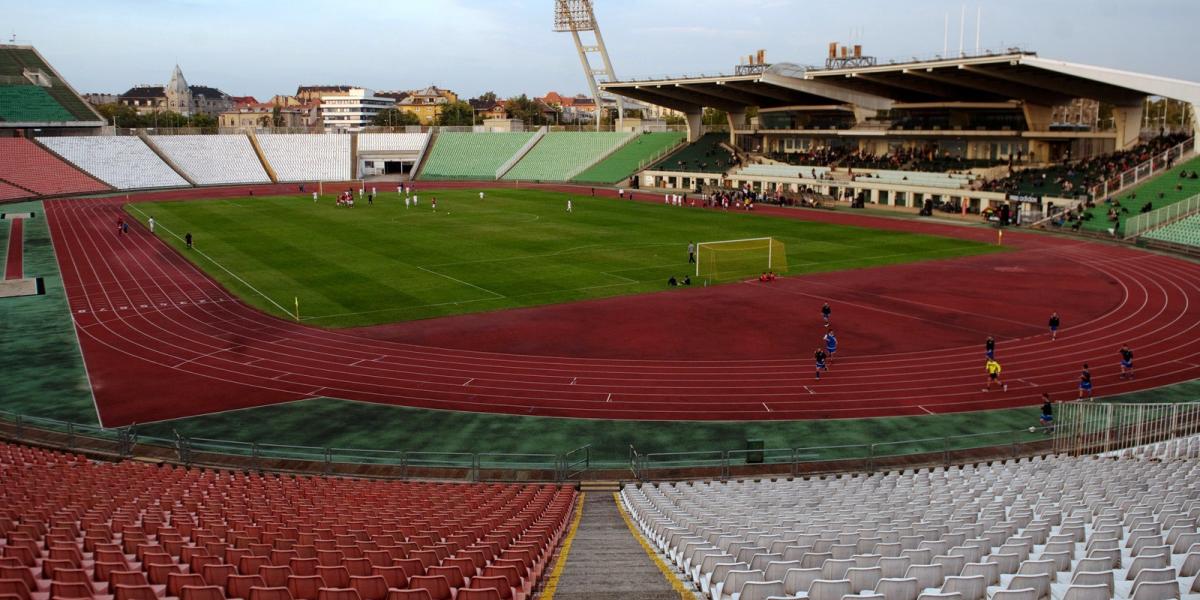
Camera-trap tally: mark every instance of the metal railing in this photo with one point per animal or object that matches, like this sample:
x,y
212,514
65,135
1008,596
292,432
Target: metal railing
x,y
1096,428
867,457
1159,162
126,443
1137,225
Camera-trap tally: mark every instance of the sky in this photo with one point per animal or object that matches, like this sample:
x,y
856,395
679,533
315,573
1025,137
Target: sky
x,y
267,47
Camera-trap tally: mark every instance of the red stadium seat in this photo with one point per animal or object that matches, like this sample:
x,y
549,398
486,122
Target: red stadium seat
x,y
238,586
270,593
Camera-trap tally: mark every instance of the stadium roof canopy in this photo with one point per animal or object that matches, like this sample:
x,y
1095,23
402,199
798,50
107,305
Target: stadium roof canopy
x,y
1020,76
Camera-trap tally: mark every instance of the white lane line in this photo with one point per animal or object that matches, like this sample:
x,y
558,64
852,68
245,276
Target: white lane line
x,y
926,409
807,389
766,407
573,380
468,382
609,399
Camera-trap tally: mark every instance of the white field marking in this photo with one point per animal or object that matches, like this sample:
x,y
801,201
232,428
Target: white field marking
x,y
556,253
627,279
468,382
1028,383
766,407
482,289
206,355
926,409
159,224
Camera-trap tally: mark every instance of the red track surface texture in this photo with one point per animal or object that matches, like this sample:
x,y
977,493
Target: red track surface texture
x,y
14,263
162,340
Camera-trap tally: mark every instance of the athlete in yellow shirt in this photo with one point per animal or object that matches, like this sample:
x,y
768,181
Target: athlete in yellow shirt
x,y
993,372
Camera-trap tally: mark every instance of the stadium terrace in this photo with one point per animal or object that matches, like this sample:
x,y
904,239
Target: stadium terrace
x,y
904,331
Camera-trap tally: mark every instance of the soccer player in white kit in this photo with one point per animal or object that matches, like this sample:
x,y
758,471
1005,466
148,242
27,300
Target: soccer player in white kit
x,y
414,200
314,197
481,195
570,208
406,202
150,222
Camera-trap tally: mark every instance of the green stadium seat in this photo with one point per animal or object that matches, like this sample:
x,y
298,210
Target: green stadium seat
x,y
1184,232
1165,184
558,156
30,104
705,155
471,155
14,60
630,158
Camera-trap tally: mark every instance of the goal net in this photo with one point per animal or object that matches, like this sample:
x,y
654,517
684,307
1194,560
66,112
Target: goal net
x,y
731,259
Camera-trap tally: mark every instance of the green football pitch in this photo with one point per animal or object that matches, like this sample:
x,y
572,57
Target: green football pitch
x,y
386,263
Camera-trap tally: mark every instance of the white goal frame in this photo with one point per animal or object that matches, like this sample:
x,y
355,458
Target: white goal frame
x,y
770,249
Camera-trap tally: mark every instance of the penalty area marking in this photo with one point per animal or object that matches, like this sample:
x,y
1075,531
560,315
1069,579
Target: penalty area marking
x,y
482,289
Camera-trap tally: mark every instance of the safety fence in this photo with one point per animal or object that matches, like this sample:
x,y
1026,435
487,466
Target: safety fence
x,y
1135,226
1128,178
1098,428
127,443
756,460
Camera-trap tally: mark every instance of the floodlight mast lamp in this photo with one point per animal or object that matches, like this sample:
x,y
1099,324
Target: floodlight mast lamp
x,y
576,16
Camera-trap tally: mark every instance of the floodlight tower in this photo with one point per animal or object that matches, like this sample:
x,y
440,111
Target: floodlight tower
x,y
576,16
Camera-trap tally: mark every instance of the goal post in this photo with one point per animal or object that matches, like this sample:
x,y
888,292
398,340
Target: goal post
x,y
730,259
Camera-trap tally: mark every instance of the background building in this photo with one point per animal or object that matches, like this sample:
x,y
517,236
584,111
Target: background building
x,y
427,103
177,96
263,115
352,111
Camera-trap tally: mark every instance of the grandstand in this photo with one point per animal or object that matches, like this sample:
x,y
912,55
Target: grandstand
x,y
560,155
471,155
9,191
705,155
1054,527
213,159
32,92
630,158
1185,232
77,529
125,163
307,156
30,104
1163,190
29,166
392,142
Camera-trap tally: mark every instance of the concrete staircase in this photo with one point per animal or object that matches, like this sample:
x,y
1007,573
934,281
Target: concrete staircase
x,y
606,562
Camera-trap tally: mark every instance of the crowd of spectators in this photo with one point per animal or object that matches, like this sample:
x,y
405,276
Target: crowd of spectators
x,y
1075,177
927,159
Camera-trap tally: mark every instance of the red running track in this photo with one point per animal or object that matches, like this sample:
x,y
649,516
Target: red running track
x,y
14,261
161,340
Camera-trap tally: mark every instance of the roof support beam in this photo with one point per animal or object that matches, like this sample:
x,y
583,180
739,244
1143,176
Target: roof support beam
x,y
926,88
681,95
970,77
1071,88
785,98
644,94
723,93
829,90
987,91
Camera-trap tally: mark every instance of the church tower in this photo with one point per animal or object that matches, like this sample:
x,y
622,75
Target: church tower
x,y
179,95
